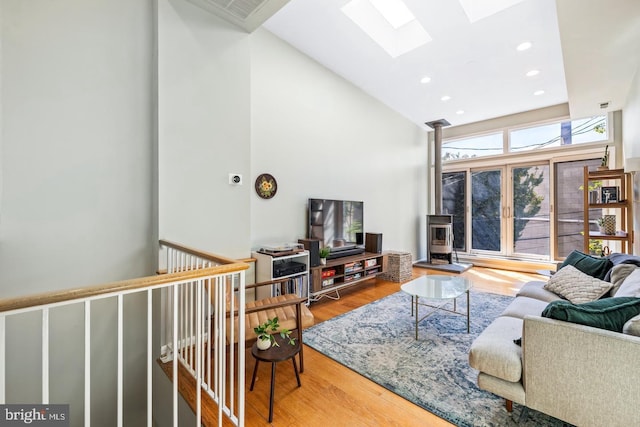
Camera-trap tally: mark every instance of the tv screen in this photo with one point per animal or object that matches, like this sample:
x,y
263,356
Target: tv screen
x,y
338,224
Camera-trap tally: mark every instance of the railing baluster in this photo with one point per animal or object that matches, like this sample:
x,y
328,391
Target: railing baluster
x,y
191,319
232,339
3,338
45,356
198,352
149,358
87,363
210,333
175,355
241,354
120,359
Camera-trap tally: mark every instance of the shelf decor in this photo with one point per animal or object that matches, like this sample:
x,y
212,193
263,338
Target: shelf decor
x,y
609,224
609,194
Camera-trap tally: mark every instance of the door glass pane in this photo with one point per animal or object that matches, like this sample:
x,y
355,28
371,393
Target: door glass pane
x,y
485,210
531,225
454,186
570,206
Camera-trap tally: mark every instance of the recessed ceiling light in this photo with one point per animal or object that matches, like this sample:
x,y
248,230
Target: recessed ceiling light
x,y
425,79
533,73
460,112
445,98
538,92
524,46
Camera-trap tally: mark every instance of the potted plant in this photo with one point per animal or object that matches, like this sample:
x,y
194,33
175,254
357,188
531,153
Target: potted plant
x,y
324,253
600,222
266,339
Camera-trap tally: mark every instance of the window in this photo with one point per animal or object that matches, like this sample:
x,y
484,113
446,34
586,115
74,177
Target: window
x,y
557,134
477,146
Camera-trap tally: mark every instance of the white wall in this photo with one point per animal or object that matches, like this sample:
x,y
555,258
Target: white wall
x,y
322,137
204,129
76,135
77,182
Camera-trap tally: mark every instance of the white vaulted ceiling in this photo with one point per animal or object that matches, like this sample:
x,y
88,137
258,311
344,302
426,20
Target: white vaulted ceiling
x,y
586,52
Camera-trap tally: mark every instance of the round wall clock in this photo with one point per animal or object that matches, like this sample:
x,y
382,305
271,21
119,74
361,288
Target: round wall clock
x,y
266,186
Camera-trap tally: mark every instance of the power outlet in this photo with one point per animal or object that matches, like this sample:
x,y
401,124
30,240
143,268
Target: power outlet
x,y
235,179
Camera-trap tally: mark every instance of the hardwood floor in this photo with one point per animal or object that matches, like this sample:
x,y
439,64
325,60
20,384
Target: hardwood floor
x,y
334,395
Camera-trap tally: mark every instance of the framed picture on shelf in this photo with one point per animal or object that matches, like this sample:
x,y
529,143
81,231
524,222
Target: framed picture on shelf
x,y
609,194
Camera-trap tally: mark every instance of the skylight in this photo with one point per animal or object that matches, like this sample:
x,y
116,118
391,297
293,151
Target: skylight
x,y
480,9
389,23
394,11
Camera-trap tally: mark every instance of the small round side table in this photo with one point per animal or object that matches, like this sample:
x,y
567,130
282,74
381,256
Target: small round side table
x,y
274,355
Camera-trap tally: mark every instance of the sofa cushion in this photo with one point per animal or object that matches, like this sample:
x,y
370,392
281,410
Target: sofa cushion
x,y
618,274
535,289
631,285
632,326
524,306
594,267
577,286
607,313
493,351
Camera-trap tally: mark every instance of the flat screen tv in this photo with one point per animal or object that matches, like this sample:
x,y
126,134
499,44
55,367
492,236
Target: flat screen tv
x,y
338,224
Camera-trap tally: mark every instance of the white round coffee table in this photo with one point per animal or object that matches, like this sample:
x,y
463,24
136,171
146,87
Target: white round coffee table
x,y
445,288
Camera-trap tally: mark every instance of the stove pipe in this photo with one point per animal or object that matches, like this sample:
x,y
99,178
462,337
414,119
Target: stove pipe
x,y
436,125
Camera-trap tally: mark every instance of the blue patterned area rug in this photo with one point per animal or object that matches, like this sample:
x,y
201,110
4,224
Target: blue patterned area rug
x,y
378,342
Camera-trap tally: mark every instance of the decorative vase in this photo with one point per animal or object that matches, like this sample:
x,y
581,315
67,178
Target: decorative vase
x,y
609,224
264,344
323,261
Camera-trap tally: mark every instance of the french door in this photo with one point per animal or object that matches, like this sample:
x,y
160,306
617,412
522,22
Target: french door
x,y
510,210
530,210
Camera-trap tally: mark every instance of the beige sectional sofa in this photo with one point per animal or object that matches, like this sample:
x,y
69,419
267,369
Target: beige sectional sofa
x,y
579,374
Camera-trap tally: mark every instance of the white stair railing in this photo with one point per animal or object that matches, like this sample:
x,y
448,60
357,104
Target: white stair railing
x,y
194,315
203,320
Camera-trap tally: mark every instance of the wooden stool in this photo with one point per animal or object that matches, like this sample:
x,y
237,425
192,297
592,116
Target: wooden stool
x,y
274,355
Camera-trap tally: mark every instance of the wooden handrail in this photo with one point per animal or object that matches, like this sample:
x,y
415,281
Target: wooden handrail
x,y
47,298
199,253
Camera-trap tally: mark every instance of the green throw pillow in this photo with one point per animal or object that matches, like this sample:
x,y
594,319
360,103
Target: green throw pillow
x,y
594,267
606,313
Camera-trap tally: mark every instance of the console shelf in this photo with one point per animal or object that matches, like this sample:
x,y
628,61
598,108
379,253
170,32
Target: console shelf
x,y
343,272
271,267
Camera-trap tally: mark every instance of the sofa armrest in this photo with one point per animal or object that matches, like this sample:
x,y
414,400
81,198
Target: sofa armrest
x,y
579,374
